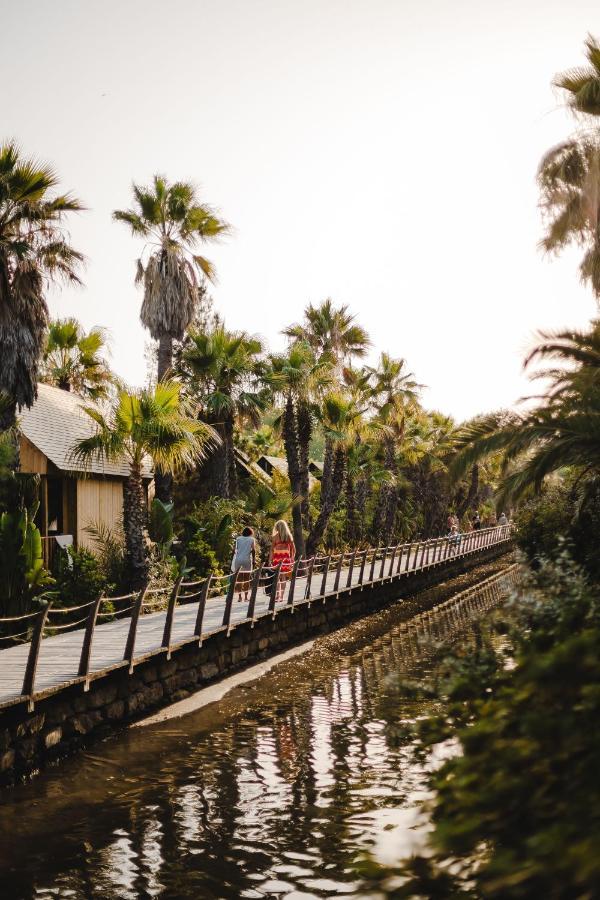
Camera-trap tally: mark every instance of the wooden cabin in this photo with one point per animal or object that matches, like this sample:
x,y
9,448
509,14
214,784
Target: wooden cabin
x,y
71,496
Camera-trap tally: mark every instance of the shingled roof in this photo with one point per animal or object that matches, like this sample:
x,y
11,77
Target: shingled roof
x,y
55,422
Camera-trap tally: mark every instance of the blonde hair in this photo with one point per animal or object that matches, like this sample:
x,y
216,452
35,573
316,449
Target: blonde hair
x,y
282,533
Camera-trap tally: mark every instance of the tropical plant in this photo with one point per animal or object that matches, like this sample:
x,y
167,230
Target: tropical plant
x,y
73,360
222,370
297,378
331,331
155,423
341,419
34,250
22,572
172,221
160,526
562,430
569,174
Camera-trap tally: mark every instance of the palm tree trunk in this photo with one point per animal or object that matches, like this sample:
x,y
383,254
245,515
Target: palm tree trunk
x,y
163,483
135,523
335,461
362,495
290,442
351,512
232,479
471,493
304,436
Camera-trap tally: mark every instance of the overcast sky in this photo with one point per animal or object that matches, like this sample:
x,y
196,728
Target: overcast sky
x,y
381,152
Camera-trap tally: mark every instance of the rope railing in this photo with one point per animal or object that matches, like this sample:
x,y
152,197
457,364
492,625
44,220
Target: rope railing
x,y
309,579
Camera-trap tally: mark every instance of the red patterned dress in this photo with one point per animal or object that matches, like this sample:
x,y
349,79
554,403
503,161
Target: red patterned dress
x,y
283,552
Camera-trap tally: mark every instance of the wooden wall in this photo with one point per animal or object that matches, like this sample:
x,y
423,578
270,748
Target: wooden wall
x,y
98,500
32,460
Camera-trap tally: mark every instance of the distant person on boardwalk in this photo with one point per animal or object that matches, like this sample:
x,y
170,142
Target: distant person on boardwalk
x,y
452,521
476,522
502,520
283,550
244,560
454,539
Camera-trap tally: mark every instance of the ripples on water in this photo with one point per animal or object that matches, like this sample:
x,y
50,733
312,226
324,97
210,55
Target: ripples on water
x,y
274,792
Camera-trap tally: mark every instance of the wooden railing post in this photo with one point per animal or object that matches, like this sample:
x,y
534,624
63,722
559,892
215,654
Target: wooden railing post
x,y
34,652
135,615
202,607
309,578
290,599
423,554
229,598
373,563
86,647
166,639
408,549
338,572
325,574
350,569
399,566
254,592
391,568
274,587
361,574
382,569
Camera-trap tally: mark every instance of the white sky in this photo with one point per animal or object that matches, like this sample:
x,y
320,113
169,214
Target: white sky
x,y
381,152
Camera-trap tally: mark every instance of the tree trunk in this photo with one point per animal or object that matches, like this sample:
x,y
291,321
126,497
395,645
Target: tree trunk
x,y
471,494
163,482
135,523
290,442
304,437
335,462
351,512
229,446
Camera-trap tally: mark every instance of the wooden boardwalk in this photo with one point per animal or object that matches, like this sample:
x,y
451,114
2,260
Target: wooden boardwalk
x,y
59,660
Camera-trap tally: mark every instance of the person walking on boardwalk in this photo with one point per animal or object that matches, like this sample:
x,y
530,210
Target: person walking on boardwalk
x,y
283,550
502,520
476,522
244,560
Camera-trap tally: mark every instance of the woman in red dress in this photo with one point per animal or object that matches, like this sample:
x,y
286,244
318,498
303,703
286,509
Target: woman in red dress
x,y
283,551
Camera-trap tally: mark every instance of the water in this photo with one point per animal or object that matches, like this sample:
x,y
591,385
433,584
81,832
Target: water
x,y
273,792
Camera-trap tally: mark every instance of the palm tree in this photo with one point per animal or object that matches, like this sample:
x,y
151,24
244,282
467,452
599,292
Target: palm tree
x,y
173,222
341,420
331,331
154,423
73,359
297,377
562,430
569,174
394,393
34,250
223,370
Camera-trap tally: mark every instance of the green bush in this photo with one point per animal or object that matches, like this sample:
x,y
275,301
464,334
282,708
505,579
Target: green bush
x,y
79,578
201,559
214,523
517,811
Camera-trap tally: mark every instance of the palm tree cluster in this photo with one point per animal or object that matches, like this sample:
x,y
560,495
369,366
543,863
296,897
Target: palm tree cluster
x,y
361,457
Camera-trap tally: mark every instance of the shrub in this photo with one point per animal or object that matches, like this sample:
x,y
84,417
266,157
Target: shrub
x,y
201,559
79,577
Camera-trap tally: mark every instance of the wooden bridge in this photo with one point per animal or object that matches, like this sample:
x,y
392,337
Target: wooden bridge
x,y
62,647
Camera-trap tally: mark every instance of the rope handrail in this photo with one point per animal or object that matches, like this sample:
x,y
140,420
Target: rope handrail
x,y
320,576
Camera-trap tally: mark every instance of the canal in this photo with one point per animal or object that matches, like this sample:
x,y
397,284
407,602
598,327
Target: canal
x,y
275,791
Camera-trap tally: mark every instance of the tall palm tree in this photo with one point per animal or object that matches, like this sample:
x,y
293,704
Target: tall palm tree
x,y
223,370
569,174
154,423
331,331
394,393
173,222
297,377
341,420
73,359
34,250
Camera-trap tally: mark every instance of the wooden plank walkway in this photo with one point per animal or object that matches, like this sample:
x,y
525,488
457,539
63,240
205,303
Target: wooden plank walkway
x,y
60,653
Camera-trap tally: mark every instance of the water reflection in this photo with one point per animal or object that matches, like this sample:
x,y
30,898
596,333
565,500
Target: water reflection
x,y
272,794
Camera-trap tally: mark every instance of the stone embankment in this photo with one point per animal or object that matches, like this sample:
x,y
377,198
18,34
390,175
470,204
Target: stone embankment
x,y
66,721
